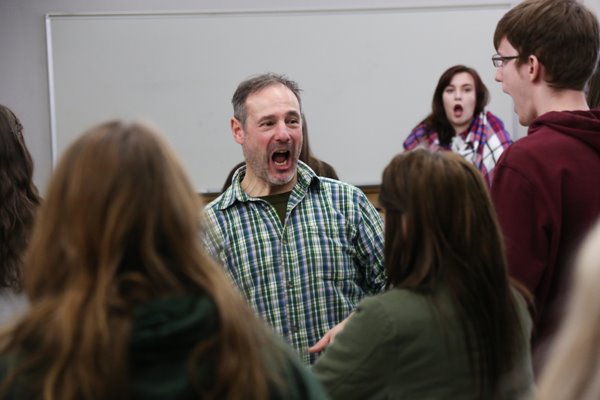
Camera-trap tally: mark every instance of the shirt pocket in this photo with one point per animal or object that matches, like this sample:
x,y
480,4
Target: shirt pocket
x,y
329,252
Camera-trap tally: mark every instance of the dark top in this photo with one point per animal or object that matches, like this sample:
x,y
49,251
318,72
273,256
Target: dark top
x,y
546,191
398,346
164,333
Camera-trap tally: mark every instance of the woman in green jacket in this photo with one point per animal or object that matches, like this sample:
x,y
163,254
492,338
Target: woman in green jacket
x,y
125,303
451,325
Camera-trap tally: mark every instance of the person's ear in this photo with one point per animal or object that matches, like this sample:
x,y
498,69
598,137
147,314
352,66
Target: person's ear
x,y
534,68
237,130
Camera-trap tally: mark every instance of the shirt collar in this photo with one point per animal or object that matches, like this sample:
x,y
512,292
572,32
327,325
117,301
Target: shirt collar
x,y
306,178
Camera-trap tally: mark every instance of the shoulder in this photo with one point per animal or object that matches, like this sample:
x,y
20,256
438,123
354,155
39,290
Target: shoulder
x,y
214,204
392,320
543,150
341,192
232,194
337,185
213,218
402,307
349,200
420,134
224,200
224,210
422,129
494,122
492,118
311,183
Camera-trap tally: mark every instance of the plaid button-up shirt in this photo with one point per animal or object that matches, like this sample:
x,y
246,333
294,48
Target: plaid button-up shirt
x,y
306,275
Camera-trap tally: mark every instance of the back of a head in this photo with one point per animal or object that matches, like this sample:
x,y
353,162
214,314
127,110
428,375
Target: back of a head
x,y
18,197
573,370
120,226
562,34
441,232
438,213
118,199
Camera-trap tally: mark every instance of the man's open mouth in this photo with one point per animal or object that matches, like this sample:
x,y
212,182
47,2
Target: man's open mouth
x,y
281,157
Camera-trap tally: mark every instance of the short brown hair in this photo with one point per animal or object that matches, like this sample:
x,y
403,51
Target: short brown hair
x,y
255,84
562,34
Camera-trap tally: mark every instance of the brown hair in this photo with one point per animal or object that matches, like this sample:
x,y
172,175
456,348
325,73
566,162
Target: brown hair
x,y
438,121
120,226
18,198
320,167
562,34
255,84
441,229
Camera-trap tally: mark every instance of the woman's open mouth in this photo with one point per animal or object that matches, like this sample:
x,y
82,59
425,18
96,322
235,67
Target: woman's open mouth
x,y
458,111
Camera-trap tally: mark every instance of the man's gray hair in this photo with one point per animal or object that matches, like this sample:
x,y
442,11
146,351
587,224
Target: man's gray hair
x,y
255,84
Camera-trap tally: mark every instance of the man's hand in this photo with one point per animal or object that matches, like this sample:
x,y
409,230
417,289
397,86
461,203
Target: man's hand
x,y
329,336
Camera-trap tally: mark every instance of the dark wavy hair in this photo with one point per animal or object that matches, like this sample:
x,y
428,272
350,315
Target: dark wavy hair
x,y
440,226
438,121
18,198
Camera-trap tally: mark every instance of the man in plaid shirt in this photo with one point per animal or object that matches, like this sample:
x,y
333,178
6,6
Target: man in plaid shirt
x,y
302,249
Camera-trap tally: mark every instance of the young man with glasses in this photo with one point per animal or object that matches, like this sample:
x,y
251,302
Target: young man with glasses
x,y
546,187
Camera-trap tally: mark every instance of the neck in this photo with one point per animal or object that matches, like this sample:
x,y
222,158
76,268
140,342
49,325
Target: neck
x,y
549,99
256,187
460,128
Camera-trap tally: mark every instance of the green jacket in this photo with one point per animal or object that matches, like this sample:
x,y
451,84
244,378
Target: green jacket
x,y
397,346
165,331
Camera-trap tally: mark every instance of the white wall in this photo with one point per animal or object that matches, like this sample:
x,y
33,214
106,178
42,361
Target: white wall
x,y
365,83
23,63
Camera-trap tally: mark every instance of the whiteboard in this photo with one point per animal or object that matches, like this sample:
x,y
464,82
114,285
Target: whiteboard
x,y
367,76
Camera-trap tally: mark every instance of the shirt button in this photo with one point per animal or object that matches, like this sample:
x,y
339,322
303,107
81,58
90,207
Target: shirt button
x,y
294,329
289,285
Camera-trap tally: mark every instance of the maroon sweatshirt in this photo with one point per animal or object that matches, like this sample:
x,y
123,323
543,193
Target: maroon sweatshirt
x,y
546,191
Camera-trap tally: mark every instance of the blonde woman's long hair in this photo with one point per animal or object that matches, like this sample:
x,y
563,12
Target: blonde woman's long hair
x,y
120,225
573,370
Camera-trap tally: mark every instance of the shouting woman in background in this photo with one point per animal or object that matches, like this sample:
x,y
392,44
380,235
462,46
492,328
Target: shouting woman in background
x,y
459,123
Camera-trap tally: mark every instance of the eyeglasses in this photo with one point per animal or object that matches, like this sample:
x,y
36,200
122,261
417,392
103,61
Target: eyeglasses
x,y
500,61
